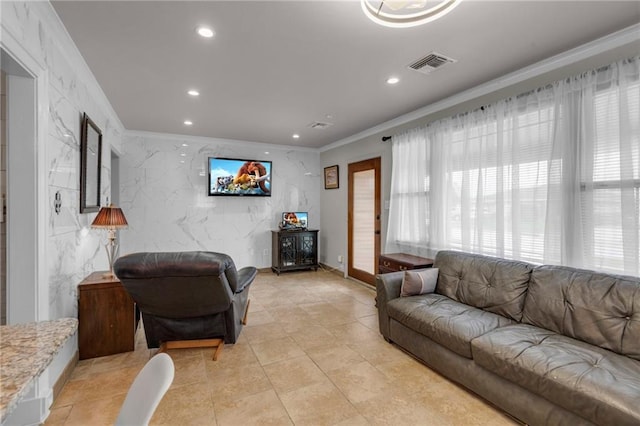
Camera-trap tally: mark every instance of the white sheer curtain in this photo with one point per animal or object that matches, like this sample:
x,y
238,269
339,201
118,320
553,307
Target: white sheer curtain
x,y
551,176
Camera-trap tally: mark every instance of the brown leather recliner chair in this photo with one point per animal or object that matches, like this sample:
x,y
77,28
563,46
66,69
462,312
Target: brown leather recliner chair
x,y
187,299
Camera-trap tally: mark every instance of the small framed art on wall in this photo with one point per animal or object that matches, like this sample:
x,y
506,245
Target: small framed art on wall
x,y
331,177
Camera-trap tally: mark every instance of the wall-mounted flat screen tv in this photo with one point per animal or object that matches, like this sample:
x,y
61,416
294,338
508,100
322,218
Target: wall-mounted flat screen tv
x,y
239,177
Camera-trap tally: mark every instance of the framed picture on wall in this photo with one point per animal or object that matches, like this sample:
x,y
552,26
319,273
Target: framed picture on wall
x,y
90,166
331,178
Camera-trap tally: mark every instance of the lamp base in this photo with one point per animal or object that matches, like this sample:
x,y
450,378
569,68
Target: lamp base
x,y
112,254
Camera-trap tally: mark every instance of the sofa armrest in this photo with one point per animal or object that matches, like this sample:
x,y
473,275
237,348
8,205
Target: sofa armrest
x,y
387,289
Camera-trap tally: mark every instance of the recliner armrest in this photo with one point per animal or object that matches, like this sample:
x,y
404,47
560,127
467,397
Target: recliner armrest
x,y
246,276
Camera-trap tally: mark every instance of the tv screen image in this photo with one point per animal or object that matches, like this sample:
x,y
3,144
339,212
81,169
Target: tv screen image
x,y
239,177
294,220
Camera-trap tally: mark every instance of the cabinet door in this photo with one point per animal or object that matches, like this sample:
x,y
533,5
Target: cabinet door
x,y
307,249
288,250
106,321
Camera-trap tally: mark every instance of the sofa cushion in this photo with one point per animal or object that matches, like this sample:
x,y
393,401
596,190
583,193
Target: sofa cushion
x,y
445,321
419,281
600,385
492,284
597,308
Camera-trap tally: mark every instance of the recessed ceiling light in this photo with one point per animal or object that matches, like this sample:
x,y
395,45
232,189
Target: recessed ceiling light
x,y
193,92
185,144
296,136
183,155
205,32
266,152
188,122
393,80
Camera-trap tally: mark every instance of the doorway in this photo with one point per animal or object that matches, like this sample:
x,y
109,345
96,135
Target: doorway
x,y
24,189
364,219
3,190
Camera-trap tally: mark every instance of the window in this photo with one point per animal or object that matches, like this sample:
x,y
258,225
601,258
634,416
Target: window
x,y
610,181
551,176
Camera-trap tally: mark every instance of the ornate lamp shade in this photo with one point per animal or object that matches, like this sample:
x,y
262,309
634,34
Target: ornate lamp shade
x,y
110,218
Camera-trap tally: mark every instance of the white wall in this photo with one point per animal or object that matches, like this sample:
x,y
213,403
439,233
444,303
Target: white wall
x,y
167,207
333,238
73,250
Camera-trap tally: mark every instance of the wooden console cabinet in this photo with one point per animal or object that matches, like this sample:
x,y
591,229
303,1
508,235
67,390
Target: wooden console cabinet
x,y
106,317
394,262
294,250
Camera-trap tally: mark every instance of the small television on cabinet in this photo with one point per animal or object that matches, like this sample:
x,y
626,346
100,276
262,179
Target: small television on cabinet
x,y
293,221
239,177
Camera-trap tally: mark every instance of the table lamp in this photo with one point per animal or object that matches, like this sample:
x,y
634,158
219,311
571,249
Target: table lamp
x,y
110,218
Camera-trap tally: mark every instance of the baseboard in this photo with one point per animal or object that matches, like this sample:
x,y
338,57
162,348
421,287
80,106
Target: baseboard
x,y
370,287
320,265
336,271
340,273
66,374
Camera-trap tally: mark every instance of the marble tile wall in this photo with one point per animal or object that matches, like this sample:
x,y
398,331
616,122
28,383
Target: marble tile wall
x,y
73,249
164,196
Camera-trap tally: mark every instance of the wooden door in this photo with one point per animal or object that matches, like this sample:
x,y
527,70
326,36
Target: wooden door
x,y
364,219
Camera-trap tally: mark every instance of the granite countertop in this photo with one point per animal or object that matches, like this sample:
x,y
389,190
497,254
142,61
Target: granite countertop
x,y
25,352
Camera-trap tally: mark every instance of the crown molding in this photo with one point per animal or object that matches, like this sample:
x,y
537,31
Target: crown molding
x,y
211,140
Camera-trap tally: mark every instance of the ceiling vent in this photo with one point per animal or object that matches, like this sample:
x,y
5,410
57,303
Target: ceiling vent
x,y
431,62
319,125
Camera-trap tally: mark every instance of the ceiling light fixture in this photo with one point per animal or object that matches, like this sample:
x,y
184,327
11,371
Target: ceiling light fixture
x,y
393,80
296,136
205,32
188,122
405,14
193,93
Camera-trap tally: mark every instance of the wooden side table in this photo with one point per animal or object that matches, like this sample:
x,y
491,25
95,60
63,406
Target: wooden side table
x,y
394,262
106,317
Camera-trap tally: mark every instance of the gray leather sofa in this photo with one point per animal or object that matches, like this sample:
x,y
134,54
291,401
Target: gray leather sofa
x,y
550,345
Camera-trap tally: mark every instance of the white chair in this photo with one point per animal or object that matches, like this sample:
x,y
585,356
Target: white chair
x,y
147,391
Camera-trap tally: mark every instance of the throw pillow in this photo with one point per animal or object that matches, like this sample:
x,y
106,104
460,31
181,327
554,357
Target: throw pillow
x,y
419,282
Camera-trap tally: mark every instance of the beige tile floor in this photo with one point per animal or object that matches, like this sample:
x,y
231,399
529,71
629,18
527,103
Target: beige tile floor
x,y
310,355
